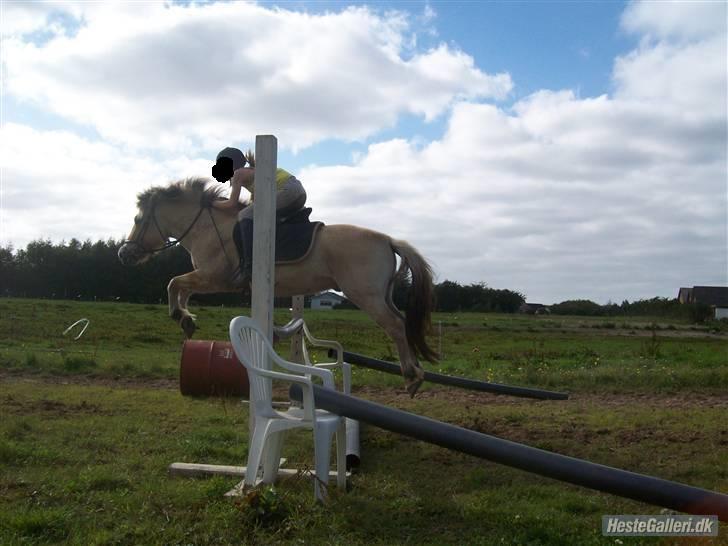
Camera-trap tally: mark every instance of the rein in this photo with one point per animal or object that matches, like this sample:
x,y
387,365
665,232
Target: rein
x,y
219,238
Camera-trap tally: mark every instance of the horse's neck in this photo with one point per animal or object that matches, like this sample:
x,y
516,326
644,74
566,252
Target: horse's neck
x,y
212,232
176,220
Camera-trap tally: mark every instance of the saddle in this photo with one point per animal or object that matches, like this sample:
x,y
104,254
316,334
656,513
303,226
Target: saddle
x,y
295,235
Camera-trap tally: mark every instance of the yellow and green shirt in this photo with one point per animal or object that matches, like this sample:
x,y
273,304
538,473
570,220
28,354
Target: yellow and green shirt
x,y
282,177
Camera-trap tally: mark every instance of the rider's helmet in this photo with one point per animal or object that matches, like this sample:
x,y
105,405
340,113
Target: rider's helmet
x,y
228,161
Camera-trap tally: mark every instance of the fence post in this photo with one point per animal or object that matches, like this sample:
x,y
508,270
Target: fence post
x,y
264,237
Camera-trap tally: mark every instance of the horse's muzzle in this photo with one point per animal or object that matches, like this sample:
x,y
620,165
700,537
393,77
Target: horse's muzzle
x,y
130,253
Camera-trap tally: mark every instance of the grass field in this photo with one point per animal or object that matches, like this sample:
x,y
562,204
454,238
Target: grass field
x,y
88,428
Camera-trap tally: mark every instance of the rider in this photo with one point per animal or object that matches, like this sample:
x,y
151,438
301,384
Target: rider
x,y
290,197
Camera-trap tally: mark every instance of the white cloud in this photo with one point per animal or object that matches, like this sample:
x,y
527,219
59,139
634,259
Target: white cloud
x,y
696,75
617,196
185,77
60,186
19,18
675,20
607,197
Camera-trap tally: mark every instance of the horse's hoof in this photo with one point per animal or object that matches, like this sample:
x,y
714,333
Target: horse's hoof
x,y
188,325
413,387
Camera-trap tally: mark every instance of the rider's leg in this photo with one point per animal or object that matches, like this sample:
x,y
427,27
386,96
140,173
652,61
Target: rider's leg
x,y
246,260
243,236
290,198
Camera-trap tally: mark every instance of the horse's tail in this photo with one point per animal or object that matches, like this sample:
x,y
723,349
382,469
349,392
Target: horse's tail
x,y
420,300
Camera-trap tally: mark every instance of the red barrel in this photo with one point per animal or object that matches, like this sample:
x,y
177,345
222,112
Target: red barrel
x,y
210,368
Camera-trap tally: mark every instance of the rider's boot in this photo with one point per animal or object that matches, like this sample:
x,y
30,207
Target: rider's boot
x,y
244,274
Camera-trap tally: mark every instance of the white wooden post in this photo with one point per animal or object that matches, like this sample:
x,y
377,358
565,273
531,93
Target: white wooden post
x,y
262,290
264,241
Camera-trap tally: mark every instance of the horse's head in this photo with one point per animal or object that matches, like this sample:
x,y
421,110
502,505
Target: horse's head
x,y
165,213
146,237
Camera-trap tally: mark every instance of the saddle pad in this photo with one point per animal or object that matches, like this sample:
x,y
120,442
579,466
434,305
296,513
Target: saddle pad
x,y
295,235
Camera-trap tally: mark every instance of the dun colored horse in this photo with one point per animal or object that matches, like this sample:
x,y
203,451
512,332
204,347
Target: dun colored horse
x,y
357,261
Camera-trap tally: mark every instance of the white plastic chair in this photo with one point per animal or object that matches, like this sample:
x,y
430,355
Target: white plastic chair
x,y
352,426
252,349
316,342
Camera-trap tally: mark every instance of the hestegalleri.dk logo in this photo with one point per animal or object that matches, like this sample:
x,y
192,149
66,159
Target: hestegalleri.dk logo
x,y
661,525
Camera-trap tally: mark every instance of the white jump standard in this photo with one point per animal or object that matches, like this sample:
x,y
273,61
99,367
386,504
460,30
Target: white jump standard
x,y
263,287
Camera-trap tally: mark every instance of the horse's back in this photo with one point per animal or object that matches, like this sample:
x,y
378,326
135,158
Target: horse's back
x,y
348,233
342,254
339,241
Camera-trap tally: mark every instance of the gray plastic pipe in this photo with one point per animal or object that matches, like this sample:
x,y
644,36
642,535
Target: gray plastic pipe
x,y
640,487
462,382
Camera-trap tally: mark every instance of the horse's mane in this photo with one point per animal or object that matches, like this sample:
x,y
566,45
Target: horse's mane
x,y
194,189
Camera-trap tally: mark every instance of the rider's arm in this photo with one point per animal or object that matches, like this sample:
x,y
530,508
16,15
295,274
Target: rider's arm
x,y
238,180
243,177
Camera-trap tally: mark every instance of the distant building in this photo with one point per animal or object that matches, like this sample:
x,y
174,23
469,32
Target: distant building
x,y
326,300
534,309
714,296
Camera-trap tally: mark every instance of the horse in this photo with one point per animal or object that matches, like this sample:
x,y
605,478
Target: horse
x,y
357,261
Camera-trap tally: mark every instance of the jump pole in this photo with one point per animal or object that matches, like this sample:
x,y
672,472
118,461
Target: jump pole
x,y
262,296
640,487
463,382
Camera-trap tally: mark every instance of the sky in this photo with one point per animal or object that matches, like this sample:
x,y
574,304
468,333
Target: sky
x,y
565,150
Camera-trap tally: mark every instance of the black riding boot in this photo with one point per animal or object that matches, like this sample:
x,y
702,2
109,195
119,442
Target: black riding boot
x,y
243,236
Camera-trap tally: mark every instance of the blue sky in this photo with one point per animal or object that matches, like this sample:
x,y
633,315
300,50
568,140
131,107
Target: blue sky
x,y
561,149
577,45
578,42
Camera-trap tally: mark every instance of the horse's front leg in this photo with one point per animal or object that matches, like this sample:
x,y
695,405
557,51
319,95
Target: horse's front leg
x,y
177,310
179,291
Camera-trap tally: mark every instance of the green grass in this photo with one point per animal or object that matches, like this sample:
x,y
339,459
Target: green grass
x,y
88,430
87,465
574,353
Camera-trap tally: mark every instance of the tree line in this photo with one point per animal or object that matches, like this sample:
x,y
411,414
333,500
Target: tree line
x,y
92,271
654,307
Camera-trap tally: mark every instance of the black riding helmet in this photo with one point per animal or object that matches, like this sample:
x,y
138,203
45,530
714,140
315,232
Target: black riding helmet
x,y
228,161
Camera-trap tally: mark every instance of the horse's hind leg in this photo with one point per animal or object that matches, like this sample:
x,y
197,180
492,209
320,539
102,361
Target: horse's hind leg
x,y
384,314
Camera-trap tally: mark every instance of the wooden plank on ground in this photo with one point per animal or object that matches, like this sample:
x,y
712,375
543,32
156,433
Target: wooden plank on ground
x,y
195,470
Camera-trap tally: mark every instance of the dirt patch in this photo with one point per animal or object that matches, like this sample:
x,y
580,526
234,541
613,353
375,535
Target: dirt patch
x,y
536,433
629,332
398,397
464,398
598,329
52,408
474,415
113,382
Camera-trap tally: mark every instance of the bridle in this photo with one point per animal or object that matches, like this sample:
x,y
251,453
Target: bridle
x,y
169,244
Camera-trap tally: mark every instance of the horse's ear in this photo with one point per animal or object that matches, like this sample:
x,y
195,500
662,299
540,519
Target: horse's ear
x,y
250,156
